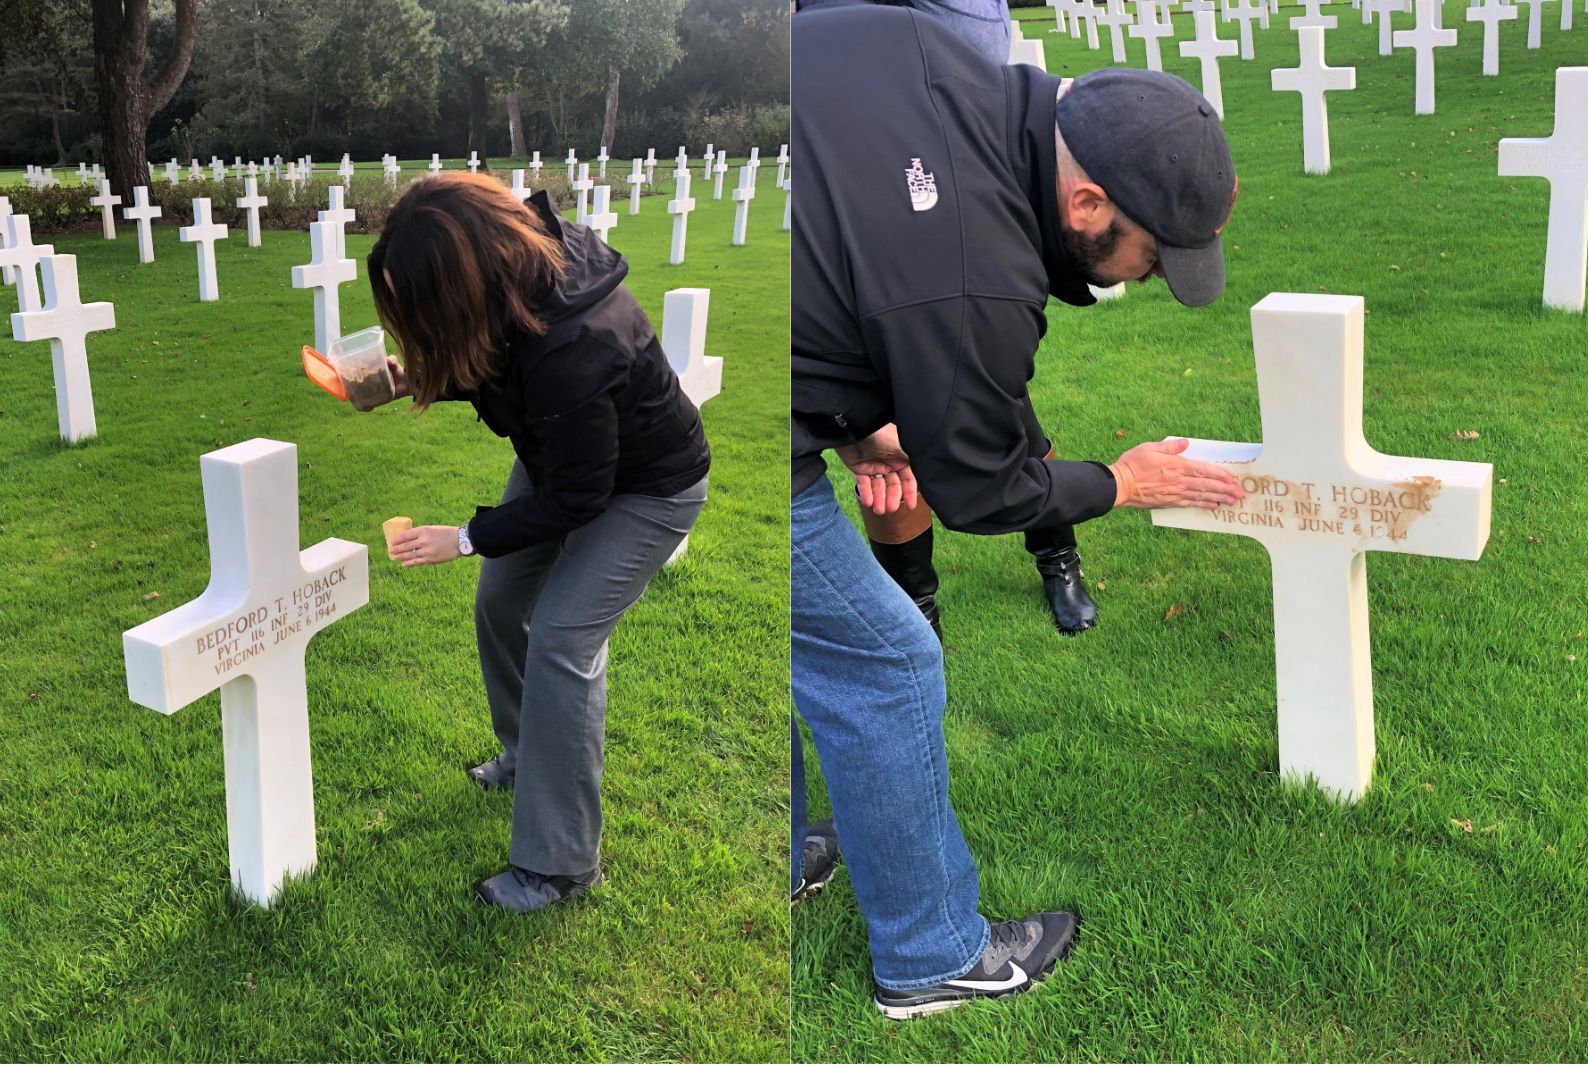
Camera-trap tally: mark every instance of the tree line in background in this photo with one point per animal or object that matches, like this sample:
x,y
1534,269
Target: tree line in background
x,y
126,81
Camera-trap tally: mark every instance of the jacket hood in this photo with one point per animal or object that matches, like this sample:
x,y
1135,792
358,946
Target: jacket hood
x,y
591,269
1033,103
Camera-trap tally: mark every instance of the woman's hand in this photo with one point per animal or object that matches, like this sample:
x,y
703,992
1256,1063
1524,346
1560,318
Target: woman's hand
x,y
399,378
883,478
1153,475
424,545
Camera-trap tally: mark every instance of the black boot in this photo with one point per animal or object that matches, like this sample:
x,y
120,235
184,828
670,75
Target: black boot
x,y
910,566
1063,584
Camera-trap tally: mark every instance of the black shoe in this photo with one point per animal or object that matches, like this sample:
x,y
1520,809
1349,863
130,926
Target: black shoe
x,y
910,566
493,774
524,891
820,859
1019,954
1064,587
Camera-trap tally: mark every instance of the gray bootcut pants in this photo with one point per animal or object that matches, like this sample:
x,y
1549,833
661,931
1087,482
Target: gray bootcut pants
x,y
542,616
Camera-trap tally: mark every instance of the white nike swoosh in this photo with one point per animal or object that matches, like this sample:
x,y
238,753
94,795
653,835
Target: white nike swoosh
x,y
1018,978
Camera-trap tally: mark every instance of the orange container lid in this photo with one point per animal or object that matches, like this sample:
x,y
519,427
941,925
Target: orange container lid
x,y
323,374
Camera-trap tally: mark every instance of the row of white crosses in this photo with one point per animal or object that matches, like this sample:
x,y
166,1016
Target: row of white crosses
x,y
248,633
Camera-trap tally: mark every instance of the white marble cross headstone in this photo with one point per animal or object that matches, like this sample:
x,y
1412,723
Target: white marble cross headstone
x,y
1151,30
1087,12
680,207
684,313
601,160
251,202
1207,46
1535,21
65,321
573,165
788,203
1565,15
519,190
743,195
782,163
720,169
680,161
204,233
1029,52
1312,79
1491,13
345,170
82,170
172,174
21,258
1423,39
435,162
535,164
248,634
325,271
1116,18
107,202
601,218
636,180
1246,12
218,170
1562,159
1318,497
581,188
650,166
1059,26
141,212
341,215
474,162
1384,10
1314,17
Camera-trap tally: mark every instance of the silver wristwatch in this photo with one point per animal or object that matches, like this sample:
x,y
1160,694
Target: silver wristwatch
x,y
465,545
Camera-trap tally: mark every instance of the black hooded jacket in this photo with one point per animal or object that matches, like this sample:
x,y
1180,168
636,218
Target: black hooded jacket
x,y
926,244
592,408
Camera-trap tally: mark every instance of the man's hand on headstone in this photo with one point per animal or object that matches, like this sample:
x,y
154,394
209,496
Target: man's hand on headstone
x,y
1153,475
424,545
883,478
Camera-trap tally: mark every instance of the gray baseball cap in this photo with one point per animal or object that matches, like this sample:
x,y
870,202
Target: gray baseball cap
x,y
1156,146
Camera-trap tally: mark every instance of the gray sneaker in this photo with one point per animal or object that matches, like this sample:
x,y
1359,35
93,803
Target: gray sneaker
x,y
1018,955
820,859
524,891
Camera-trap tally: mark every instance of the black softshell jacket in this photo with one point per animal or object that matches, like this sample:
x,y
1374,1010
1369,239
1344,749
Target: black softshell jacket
x,y
926,244
592,408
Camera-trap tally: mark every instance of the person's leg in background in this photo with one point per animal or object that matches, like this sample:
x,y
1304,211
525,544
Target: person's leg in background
x,y
1059,566
902,545
868,681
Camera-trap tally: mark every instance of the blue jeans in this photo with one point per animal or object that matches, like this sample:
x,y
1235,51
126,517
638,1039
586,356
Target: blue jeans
x,y
868,681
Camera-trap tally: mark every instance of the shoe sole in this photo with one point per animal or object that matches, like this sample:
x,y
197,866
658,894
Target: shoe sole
x,y
937,1006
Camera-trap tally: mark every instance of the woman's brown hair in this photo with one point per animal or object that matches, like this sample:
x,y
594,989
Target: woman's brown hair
x,y
468,264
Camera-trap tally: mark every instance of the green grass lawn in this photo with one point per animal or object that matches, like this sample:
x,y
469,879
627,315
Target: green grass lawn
x,y
120,937
1130,774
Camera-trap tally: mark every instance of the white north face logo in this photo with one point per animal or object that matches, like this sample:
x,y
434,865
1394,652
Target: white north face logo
x,y
923,187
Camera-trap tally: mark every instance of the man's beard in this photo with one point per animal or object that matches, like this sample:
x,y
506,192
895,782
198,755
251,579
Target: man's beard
x,y
1086,253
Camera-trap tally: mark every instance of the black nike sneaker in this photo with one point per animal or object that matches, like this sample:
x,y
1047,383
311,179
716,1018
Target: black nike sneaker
x,y
1018,955
820,859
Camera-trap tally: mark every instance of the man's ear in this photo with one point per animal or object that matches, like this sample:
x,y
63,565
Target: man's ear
x,y
1087,208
